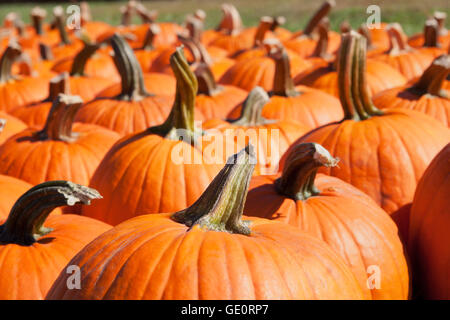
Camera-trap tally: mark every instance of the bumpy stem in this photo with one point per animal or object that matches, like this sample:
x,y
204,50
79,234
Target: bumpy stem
x,y
25,223
58,12
231,23
251,113
434,76
352,86
265,24
59,84
60,119
37,18
180,122
206,83
299,173
80,60
283,85
133,88
10,55
220,207
152,32
431,34
322,12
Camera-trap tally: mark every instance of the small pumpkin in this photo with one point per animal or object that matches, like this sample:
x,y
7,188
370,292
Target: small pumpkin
x,y
425,95
209,253
337,213
36,246
419,40
382,152
141,173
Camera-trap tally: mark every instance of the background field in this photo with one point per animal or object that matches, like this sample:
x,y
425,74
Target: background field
x,y
410,13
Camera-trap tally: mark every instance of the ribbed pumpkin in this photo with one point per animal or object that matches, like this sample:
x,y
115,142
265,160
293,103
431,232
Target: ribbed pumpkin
x,y
142,171
428,229
134,109
35,247
208,252
305,105
271,137
336,212
21,90
426,95
60,150
383,153
9,126
11,189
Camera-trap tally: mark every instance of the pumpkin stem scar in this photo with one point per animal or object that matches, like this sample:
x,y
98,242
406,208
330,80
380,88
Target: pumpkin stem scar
x,y
133,88
60,119
80,60
220,207
10,55
251,112
180,122
302,163
25,223
352,86
434,77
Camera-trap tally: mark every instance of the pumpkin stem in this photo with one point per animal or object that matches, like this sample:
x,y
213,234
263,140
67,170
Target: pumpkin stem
x,y
180,122
431,34
220,207
345,27
299,173
2,124
322,12
25,223
197,49
434,76
85,12
59,84
194,27
277,22
152,32
265,24
133,88
58,12
321,49
45,52
364,31
283,84
397,39
351,70
60,119
37,18
127,12
10,55
207,85
147,16
251,112
440,17
231,23
82,57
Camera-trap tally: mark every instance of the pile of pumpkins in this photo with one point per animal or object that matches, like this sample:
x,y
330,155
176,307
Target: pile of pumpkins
x,y
352,201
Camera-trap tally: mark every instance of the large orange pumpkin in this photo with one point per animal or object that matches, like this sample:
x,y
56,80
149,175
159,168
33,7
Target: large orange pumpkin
x,y
141,171
429,226
271,137
60,150
383,153
336,212
426,95
11,189
35,247
134,109
207,252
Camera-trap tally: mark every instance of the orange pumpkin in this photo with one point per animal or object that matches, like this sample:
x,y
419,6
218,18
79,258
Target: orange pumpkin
x,y
271,137
428,229
11,189
9,126
207,252
336,212
383,153
35,247
134,109
419,40
425,95
141,171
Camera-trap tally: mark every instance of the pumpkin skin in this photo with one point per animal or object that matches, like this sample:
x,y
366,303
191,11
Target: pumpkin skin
x,y
428,230
36,156
385,154
11,126
158,245
424,95
29,270
12,189
344,217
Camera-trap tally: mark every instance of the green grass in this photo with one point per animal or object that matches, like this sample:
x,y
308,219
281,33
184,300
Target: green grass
x,y
410,13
